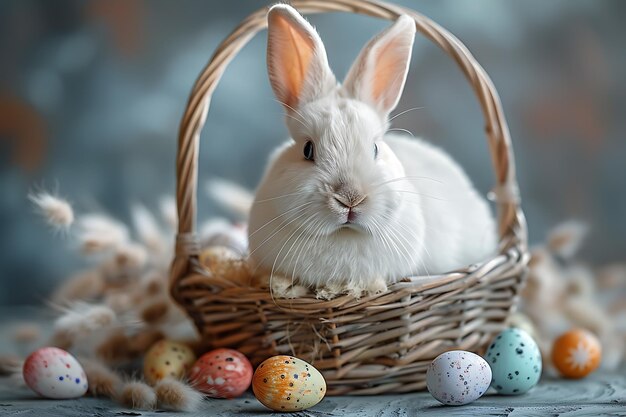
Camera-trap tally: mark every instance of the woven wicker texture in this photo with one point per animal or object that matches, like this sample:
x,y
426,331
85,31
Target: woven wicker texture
x,y
377,344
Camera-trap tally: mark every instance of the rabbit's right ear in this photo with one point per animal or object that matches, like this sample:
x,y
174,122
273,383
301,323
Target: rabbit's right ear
x,y
377,76
296,59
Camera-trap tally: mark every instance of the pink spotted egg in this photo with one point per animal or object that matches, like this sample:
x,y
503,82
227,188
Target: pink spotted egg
x,y
221,373
53,373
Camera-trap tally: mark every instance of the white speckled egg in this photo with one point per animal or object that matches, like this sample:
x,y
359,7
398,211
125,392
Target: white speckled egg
x,y
458,377
515,362
53,373
285,383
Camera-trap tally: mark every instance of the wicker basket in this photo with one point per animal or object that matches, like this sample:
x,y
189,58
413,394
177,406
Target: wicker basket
x,y
376,344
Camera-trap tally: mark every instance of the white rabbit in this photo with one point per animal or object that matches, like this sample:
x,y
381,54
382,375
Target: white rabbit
x,y
344,207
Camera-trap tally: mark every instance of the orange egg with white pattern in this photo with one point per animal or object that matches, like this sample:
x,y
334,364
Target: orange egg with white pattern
x,y
576,353
286,383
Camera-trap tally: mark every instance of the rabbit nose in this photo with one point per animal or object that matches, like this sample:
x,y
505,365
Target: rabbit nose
x,y
349,200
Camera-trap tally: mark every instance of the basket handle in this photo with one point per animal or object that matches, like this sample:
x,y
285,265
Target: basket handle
x,y
511,224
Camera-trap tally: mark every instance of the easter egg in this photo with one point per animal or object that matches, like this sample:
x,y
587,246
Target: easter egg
x,y
285,383
576,353
458,377
167,358
53,373
221,373
515,362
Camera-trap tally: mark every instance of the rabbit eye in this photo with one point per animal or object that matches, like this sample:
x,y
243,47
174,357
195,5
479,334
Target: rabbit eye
x,y
308,150
375,151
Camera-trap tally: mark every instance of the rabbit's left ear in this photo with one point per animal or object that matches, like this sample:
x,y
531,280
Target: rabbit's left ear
x,y
296,58
378,75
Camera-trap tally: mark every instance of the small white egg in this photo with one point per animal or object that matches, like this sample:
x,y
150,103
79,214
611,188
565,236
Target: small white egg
x,y
458,377
54,373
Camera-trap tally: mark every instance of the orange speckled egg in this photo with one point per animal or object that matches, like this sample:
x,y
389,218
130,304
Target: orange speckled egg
x,y
285,383
576,353
167,358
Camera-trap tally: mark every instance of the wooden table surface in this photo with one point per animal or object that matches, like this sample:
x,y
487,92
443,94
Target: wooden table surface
x,y
598,395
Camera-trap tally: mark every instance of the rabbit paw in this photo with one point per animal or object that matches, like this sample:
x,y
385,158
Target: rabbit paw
x,y
376,286
330,291
282,287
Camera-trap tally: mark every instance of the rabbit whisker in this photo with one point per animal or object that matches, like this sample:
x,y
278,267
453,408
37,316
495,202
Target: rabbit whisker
x,y
387,241
303,226
297,120
283,196
412,192
406,254
404,112
398,129
303,120
310,237
277,217
407,178
301,214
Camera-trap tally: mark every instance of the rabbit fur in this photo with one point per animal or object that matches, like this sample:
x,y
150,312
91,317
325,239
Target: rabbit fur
x,y
344,207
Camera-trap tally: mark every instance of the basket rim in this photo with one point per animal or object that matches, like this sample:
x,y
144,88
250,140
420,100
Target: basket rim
x,y
511,221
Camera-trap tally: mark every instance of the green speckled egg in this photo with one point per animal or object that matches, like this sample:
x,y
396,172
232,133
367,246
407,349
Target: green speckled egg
x,y
515,362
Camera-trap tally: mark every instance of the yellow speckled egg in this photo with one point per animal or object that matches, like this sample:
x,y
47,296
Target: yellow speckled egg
x,y
285,383
167,358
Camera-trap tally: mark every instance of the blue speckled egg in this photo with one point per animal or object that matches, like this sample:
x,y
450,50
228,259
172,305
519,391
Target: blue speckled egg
x,y
515,362
458,377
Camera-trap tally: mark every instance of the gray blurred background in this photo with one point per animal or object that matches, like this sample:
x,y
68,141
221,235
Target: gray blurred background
x,y
91,94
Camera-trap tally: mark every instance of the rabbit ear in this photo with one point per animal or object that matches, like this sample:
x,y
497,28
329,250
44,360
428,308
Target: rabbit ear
x,y
378,75
296,59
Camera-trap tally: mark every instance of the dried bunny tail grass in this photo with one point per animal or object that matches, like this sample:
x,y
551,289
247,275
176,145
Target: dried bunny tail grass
x,y
120,347
86,285
125,265
57,211
153,283
103,381
98,233
10,365
156,311
27,332
233,197
147,229
177,396
566,238
169,213
83,319
138,396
